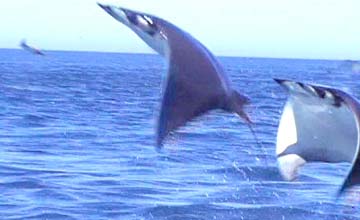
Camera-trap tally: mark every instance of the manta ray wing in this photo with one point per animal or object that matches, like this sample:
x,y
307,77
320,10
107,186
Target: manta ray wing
x,y
182,101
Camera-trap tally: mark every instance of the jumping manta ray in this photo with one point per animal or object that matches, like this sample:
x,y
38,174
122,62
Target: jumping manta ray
x,y
196,83
318,124
31,49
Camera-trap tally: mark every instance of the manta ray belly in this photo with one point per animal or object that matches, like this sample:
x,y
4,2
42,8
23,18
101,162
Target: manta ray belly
x,y
314,129
287,134
325,132
289,165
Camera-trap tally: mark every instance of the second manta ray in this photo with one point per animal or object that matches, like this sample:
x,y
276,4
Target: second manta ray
x,y
196,82
318,124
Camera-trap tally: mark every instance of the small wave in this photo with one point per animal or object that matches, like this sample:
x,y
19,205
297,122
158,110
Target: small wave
x,y
240,212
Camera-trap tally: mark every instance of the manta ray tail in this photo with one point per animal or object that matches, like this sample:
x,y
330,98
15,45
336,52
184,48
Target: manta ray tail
x,y
237,102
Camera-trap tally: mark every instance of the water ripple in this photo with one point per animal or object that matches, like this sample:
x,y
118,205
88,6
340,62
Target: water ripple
x,y
77,142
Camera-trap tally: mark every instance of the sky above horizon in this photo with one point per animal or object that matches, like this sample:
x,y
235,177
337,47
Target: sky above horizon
x,y
321,29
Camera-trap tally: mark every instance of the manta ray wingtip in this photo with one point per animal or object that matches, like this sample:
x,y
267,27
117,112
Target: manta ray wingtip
x,y
280,81
159,145
340,192
100,4
106,7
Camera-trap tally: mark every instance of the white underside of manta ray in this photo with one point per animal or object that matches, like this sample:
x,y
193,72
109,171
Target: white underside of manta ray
x,y
195,82
318,124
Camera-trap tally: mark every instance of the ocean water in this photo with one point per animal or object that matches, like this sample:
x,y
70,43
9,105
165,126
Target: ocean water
x,y
77,142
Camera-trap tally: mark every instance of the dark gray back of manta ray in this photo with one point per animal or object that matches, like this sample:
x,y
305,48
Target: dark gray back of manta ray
x,y
196,83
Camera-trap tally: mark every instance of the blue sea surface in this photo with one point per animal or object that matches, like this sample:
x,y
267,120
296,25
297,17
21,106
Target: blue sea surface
x,y
77,142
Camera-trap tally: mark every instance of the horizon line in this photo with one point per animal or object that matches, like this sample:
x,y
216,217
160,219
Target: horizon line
x,y
155,54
